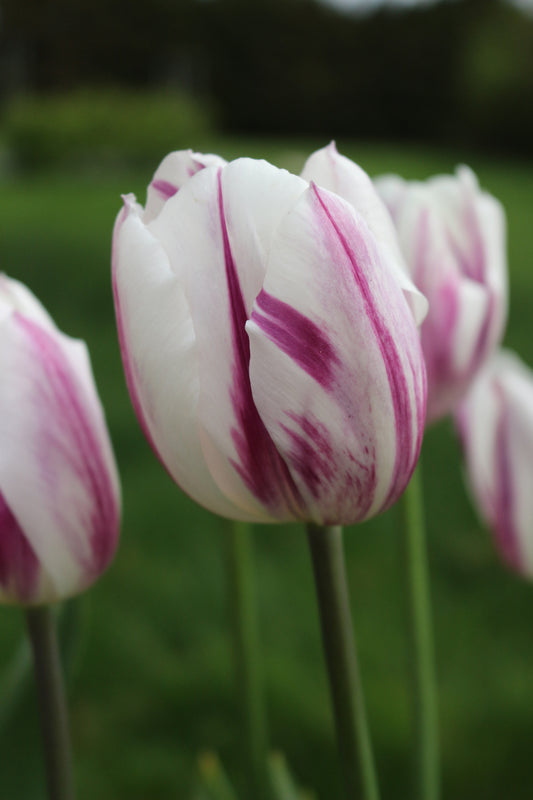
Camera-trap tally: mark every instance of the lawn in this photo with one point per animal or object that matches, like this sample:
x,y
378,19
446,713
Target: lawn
x,y
150,677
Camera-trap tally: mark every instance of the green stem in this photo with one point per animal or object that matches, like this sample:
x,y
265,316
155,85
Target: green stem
x,y
339,647
248,661
51,694
427,767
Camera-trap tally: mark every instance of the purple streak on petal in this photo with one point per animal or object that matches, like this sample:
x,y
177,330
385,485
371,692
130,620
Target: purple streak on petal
x,y
312,456
297,336
314,459
260,466
198,165
405,461
19,566
164,188
59,395
502,504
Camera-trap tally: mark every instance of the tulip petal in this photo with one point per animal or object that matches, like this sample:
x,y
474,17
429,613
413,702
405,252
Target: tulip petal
x,y
452,235
159,354
19,566
14,295
57,470
350,435
173,172
217,232
339,174
495,422
517,391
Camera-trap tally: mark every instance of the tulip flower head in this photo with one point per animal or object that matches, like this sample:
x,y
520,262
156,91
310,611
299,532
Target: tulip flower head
x,y
269,342
452,235
495,422
59,489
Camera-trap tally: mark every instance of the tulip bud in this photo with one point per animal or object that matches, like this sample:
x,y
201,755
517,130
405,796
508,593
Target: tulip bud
x,y
452,235
59,489
271,355
495,422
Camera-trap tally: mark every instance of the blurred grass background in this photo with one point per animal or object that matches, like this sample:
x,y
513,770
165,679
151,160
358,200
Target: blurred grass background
x,y
151,686
93,93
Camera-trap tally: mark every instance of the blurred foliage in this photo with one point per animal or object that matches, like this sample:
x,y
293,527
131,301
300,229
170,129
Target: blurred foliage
x,y
214,784
99,126
155,686
455,71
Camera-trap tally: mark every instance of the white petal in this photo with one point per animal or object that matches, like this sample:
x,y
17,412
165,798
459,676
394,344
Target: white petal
x,y
336,366
516,382
496,425
15,296
342,176
391,189
173,172
216,232
160,357
57,471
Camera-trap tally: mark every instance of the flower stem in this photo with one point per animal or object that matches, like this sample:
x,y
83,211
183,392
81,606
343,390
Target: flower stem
x,y
339,647
423,679
51,695
248,662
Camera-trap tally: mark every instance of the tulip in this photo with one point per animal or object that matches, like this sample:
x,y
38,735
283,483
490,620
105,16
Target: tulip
x,y
452,235
269,343
495,423
59,489
337,173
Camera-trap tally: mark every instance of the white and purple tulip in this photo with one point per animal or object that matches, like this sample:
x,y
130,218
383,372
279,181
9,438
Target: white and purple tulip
x,y
59,488
495,423
270,352
452,235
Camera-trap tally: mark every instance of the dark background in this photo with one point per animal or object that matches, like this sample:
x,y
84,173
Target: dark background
x,y
459,71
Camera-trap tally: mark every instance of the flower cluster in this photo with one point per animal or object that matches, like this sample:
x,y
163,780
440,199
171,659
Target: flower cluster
x,y
268,333
268,326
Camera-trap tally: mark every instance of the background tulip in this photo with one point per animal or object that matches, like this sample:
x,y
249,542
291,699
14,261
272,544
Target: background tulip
x,y
453,237
270,352
59,490
495,422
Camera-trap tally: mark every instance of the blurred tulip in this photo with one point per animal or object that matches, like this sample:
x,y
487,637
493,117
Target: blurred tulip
x,y
59,489
495,422
268,342
452,235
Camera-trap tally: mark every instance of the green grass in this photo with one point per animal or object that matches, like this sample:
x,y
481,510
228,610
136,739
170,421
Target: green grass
x,y
152,684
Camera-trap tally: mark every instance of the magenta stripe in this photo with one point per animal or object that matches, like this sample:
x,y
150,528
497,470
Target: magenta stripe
x,y
505,528
297,336
60,397
312,455
164,188
405,455
19,566
260,465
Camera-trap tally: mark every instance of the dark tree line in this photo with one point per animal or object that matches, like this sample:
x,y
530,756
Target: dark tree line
x,y
461,70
